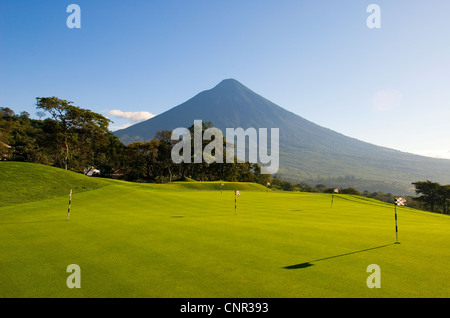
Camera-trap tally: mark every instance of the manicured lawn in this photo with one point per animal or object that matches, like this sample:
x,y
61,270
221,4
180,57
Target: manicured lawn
x,y
171,241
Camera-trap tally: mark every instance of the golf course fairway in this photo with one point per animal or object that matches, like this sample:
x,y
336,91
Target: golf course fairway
x,y
186,239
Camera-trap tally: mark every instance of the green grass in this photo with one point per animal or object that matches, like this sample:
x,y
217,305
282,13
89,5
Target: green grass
x,y
25,182
22,182
146,240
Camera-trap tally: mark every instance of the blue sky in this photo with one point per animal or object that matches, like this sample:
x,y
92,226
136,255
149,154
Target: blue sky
x,y
389,86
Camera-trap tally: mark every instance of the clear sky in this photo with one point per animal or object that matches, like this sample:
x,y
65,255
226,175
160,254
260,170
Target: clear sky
x,y
130,59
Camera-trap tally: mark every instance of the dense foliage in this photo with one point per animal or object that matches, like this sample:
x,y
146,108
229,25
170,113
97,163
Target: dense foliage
x,y
433,196
76,139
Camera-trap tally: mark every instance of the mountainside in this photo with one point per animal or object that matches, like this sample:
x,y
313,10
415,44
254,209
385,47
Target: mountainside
x,y
308,152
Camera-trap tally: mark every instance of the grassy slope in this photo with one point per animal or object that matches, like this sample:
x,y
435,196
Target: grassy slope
x,y
206,185
26,182
149,241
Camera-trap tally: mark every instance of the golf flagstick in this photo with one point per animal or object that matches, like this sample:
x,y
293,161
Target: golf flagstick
x,y
399,201
396,228
332,196
235,212
236,193
70,201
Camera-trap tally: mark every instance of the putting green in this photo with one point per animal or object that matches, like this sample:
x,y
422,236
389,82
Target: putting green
x,y
142,240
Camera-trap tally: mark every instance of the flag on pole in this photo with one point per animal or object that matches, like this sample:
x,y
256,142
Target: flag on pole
x,y
236,193
332,195
401,202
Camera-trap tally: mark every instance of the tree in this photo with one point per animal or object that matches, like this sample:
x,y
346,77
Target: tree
x,y
444,198
281,184
164,152
143,160
109,156
77,129
429,193
7,124
18,135
6,112
350,191
261,178
5,130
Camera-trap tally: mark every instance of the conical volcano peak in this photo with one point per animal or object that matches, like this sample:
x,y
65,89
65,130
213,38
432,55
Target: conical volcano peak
x,y
230,84
307,150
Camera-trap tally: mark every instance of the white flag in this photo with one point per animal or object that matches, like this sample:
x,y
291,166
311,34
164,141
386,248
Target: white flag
x,y
400,201
237,192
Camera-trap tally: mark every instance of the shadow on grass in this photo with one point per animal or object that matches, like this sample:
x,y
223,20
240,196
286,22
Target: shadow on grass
x,y
308,264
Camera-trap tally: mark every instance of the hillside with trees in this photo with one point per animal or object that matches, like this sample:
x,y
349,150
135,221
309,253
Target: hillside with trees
x,y
75,139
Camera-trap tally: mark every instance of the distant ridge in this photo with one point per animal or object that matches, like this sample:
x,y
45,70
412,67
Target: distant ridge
x,y
308,152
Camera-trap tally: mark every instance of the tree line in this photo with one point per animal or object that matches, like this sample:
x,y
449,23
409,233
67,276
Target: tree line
x,y
431,196
322,188
74,138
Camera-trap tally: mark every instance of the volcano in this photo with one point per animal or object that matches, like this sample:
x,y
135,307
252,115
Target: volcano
x,y
308,152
